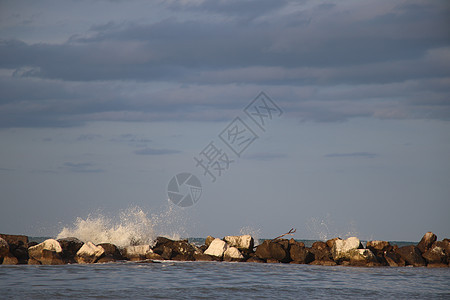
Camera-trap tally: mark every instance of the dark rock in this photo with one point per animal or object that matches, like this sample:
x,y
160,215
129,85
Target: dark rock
x,y
323,263
255,259
70,247
278,250
273,261
299,254
394,259
175,250
205,257
321,251
411,255
105,259
438,266
379,247
435,255
203,248
32,261
445,244
19,240
427,240
208,240
20,252
111,252
31,244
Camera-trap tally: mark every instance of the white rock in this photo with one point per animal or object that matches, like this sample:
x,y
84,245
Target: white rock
x,y
139,251
50,244
243,242
233,253
216,248
89,253
342,248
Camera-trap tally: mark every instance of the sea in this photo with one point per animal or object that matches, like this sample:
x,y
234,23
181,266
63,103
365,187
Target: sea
x,y
206,280
220,280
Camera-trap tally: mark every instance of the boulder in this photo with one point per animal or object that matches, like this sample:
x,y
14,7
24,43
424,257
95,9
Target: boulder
x,y
242,242
342,249
435,255
232,254
321,251
330,243
255,259
379,247
216,248
19,240
175,250
10,259
47,253
136,253
426,242
70,247
363,257
205,257
277,250
299,254
394,259
411,255
445,244
4,248
89,253
112,253
323,263
208,240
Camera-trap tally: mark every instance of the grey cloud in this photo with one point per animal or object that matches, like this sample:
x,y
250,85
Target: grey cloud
x,y
353,154
153,151
84,167
265,156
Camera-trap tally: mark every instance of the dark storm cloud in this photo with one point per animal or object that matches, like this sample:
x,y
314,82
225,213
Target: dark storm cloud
x,y
392,59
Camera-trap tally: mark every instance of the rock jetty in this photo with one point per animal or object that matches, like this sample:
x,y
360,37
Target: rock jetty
x,y
429,252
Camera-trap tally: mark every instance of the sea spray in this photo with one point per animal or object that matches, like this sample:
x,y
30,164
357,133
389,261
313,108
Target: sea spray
x,y
255,233
132,226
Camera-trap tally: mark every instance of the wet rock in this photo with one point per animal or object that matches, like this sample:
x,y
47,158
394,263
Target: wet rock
x,y
278,250
342,249
394,259
47,253
136,253
12,239
255,259
435,255
363,257
4,248
244,243
10,259
323,263
217,248
299,254
379,247
205,257
208,240
411,255
233,254
273,261
426,242
89,253
438,265
175,250
321,251
70,247
112,253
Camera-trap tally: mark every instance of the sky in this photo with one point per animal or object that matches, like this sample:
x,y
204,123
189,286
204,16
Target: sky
x,y
103,102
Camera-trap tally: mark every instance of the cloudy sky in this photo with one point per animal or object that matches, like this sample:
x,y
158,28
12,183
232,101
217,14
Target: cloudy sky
x,y
102,102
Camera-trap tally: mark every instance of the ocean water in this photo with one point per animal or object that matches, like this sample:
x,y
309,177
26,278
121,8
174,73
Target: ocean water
x,y
220,280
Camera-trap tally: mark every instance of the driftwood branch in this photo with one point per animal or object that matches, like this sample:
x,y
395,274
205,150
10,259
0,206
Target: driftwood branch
x,y
291,232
